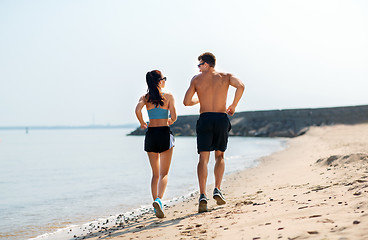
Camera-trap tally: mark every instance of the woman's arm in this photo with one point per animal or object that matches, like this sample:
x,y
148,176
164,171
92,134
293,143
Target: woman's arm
x,y
172,110
138,112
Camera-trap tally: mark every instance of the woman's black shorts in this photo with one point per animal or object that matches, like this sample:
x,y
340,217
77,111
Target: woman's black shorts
x,y
158,139
212,131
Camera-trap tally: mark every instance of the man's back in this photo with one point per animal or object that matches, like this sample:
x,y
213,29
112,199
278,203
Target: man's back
x,y
212,88
213,124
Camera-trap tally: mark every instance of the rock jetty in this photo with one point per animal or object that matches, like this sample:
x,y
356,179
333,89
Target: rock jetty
x,y
276,123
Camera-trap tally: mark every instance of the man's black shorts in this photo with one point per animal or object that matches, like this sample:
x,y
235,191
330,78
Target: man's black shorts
x,y
158,139
212,131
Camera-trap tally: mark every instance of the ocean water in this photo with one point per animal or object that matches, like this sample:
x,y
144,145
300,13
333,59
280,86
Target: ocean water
x,y
60,179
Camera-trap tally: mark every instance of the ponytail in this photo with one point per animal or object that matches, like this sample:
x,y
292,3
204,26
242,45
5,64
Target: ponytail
x,y
153,94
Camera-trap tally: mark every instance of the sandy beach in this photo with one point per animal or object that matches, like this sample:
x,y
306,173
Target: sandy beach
x,y
317,188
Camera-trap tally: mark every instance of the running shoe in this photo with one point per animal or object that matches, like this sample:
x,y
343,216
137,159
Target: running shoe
x,y
217,195
202,207
157,205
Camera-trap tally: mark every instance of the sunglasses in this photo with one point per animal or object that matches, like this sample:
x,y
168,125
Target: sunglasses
x,y
200,64
164,78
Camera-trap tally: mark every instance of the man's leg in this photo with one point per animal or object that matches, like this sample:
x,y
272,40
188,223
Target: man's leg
x,y
219,173
219,168
202,171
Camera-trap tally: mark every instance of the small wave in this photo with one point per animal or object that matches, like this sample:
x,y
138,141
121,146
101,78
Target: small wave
x,y
102,224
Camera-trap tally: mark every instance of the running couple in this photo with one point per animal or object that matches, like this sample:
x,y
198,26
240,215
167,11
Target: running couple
x,y
212,128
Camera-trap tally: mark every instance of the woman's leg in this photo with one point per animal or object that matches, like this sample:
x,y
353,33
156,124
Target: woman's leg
x,y
165,161
155,166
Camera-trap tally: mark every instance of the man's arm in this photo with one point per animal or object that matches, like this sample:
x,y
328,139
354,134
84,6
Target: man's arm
x,y
236,83
188,98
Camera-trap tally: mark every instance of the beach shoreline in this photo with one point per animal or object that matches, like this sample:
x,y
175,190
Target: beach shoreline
x,y
104,190
80,230
316,188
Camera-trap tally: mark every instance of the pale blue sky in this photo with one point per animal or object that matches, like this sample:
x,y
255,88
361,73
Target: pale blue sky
x,y
75,62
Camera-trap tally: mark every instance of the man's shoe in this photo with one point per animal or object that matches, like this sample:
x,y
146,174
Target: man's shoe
x,y
158,208
202,207
217,195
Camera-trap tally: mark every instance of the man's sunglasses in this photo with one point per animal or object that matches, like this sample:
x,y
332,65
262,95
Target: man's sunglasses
x,y
201,64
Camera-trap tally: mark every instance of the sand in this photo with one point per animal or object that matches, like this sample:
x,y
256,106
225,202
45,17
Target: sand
x,y
317,188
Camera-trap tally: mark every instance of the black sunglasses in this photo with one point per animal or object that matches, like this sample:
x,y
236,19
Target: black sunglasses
x,y
201,64
164,78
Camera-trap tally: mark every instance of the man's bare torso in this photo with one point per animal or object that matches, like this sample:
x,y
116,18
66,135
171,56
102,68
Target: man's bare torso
x,y
212,88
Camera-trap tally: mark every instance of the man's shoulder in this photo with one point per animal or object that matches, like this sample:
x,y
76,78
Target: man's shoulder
x,y
211,75
224,75
197,76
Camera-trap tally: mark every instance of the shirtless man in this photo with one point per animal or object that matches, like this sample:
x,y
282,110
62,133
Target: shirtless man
x,y
213,124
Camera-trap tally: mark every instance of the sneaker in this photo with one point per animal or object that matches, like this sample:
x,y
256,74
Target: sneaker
x,y
157,205
202,207
217,195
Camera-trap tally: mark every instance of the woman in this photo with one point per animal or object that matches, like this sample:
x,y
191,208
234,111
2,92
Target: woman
x,y
159,141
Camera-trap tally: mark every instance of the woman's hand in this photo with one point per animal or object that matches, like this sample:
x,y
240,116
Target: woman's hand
x,y
143,125
170,121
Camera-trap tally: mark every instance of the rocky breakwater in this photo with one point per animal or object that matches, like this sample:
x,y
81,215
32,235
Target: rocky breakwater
x,y
276,123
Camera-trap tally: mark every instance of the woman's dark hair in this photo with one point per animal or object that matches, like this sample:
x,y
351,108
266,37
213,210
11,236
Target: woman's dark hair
x,y
153,94
209,58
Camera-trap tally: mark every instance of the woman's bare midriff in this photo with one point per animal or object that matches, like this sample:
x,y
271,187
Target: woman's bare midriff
x,y
158,123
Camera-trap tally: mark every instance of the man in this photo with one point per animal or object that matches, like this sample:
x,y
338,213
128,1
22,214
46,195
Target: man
x,y
213,124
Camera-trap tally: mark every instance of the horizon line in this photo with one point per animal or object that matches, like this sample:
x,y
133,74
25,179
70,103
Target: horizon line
x,y
131,125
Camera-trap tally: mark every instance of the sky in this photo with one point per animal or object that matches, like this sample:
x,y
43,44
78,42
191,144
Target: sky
x,y
82,62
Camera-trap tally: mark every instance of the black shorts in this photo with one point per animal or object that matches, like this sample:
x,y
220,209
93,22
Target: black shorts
x,y
158,139
212,131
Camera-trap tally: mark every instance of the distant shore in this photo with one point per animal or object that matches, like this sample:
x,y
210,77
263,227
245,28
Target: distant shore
x,y
315,189
59,127
277,123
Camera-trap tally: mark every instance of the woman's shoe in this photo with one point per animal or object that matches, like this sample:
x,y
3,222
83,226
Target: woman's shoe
x,y
157,205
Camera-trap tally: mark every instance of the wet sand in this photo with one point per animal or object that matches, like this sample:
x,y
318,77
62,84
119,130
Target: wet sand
x,y
317,188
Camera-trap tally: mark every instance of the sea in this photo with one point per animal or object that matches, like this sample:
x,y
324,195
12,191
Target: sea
x,y
55,184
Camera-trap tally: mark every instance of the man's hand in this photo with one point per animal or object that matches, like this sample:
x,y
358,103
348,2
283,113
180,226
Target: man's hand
x,y
230,110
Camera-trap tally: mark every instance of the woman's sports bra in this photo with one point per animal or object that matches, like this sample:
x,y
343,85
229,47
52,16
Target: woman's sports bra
x,y
158,113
